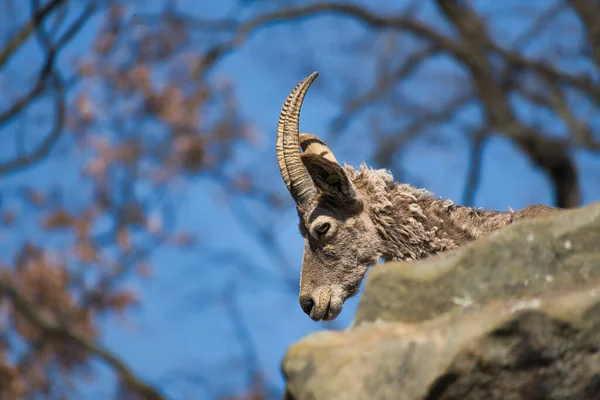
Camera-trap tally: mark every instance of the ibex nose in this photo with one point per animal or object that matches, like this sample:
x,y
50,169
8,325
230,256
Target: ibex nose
x,y
307,304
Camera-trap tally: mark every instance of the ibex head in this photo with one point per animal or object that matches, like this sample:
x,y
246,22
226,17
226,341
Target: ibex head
x,y
340,239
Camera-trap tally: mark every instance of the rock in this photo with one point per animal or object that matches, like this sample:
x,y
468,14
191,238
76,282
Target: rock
x,y
512,316
528,258
538,348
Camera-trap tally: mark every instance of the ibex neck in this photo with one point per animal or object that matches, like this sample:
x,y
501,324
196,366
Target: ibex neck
x,y
418,224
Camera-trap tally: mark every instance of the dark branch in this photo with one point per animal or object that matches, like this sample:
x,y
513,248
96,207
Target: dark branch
x,y
589,12
474,174
48,77
20,37
548,154
384,83
52,52
471,51
25,160
51,329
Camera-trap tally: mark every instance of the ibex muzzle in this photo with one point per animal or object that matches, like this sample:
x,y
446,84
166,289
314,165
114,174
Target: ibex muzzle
x,y
351,218
340,239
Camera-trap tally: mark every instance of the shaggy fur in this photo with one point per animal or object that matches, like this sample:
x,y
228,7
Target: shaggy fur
x,y
378,218
350,219
429,224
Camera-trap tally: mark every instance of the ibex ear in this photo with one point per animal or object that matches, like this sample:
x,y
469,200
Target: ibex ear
x,y
329,177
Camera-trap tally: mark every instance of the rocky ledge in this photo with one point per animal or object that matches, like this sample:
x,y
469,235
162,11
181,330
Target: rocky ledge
x,y
515,315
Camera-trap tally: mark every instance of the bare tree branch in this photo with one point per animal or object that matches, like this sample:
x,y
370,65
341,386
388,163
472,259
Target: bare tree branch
x,y
36,19
46,70
474,174
243,30
47,77
41,150
390,144
551,155
538,26
19,105
51,329
588,11
383,85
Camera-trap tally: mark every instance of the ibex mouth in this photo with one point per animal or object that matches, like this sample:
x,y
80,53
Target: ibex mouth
x,y
332,313
328,309
318,314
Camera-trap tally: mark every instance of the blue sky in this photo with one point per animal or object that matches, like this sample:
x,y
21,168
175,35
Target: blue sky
x,y
181,329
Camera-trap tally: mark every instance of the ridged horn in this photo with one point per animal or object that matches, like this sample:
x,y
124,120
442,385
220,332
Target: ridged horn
x,y
279,145
313,145
292,169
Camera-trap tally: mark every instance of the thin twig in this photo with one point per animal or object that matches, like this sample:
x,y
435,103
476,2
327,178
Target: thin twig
x,y
474,174
36,19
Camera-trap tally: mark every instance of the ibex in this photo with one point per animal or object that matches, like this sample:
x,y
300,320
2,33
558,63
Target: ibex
x,y
350,218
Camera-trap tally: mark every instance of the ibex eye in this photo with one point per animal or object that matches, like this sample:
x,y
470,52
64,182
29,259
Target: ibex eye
x,y
323,228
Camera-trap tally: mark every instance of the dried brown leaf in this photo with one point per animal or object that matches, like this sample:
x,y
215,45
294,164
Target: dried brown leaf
x,y
84,108
144,270
120,301
191,151
58,219
8,217
86,251
182,239
124,239
34,197
243,183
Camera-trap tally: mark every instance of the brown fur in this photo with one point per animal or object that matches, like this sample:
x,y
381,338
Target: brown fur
x,y
350,219
382,219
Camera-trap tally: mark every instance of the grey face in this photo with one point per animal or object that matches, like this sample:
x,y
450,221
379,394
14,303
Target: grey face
x,y
338,249
340,239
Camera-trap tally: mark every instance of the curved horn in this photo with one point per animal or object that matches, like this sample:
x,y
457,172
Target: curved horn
x,y
292,169
300,182
279,145
313,145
